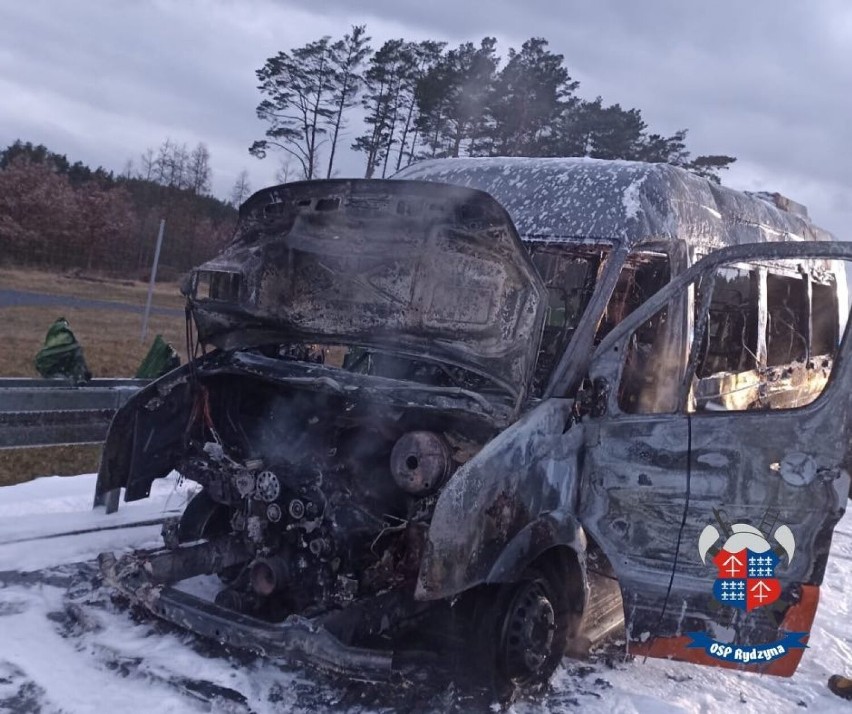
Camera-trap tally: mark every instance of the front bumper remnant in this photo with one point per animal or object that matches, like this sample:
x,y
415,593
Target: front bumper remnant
x,y
145,579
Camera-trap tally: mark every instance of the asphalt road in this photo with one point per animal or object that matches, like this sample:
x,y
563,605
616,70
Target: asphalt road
x,y
22,298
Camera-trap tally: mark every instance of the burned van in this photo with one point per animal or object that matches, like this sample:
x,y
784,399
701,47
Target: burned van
x,y
494,408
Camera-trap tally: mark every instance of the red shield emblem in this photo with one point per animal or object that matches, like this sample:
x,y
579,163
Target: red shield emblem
x,y
746,579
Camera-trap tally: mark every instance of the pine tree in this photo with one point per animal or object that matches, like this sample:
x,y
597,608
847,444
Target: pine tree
x,y
300,104
527,99
382,81
453,95
419,60
347,56
710,165
420,100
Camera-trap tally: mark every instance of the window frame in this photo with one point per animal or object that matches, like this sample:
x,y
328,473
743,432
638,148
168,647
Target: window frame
x,y
608,361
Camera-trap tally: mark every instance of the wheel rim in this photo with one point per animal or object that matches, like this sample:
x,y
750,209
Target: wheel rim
x,y
527,633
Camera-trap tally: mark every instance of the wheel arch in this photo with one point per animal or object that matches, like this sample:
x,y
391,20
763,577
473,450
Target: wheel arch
x,y
553,540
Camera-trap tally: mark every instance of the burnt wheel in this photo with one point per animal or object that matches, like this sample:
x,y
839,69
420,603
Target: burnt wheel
x,y
523,629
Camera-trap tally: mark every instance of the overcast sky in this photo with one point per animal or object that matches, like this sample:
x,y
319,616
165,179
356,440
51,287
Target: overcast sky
x,y
766,81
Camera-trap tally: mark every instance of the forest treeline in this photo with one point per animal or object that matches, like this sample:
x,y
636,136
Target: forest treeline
x,y
402,102
412,100
64,216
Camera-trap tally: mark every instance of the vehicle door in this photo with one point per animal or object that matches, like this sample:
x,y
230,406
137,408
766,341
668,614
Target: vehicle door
x,y
665,458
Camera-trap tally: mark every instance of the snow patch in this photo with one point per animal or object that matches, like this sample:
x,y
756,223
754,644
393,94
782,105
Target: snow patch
x,y
107,662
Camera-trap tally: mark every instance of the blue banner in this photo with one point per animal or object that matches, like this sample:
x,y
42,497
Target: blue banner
x,y
746,654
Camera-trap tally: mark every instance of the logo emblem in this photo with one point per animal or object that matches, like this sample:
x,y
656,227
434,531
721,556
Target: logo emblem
x,y
745,560
746,565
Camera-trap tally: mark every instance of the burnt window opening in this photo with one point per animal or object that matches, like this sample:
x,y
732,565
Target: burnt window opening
x,y
274,209
824,319
327,204
641,277
645,386
570,279
651,374
729,343
796,327
787,320
217,285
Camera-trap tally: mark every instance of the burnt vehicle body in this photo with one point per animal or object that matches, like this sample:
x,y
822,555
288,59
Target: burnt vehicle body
x,y
430,418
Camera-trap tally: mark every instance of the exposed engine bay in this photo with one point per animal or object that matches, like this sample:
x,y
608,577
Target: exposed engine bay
x,y
369,338
331,495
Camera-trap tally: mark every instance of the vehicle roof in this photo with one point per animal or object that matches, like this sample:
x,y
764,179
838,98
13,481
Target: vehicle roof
x,y
566,199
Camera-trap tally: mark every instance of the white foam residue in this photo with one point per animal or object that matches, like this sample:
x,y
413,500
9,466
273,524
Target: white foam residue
x,y
121,665
630,199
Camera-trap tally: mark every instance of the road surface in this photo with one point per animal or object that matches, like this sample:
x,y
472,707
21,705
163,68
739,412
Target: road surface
x,y
22,298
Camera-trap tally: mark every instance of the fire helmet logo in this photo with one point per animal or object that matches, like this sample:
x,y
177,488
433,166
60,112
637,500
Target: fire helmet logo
x,y
746,563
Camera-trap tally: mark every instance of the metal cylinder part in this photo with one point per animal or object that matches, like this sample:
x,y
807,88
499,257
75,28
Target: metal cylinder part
x,y
268,486
296,509
421,462
273,512
268,575
319,546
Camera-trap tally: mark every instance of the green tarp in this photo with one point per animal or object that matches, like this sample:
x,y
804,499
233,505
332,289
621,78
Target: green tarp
x,y
62,355
161,358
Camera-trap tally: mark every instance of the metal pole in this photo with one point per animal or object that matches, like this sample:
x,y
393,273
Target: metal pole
x,y
153,279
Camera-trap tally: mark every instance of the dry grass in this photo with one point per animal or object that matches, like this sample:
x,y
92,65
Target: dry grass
x,y
110,338
19,465
111,345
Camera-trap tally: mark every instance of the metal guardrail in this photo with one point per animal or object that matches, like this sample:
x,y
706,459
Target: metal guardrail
x,y
47,412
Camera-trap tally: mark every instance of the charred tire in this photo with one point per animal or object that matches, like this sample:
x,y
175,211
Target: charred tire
x,y
522,629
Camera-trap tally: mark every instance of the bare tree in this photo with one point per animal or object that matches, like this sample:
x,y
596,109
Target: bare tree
x,y
241,190
198,179
284,171
147,161
170,165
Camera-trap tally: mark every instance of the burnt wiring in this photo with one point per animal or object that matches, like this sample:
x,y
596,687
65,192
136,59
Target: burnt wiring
x,y
200,396
191,344
680,530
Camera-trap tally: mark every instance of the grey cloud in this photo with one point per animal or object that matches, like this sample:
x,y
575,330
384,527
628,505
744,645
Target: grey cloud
x,y
765,81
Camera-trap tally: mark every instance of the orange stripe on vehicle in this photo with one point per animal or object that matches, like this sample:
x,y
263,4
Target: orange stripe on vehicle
x,y
798,618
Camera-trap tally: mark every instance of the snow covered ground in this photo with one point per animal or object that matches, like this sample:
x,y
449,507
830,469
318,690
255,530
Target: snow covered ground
x,y
65,647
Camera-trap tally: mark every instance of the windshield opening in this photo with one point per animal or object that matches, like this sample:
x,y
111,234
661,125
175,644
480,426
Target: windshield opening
x,y
642,275
570,279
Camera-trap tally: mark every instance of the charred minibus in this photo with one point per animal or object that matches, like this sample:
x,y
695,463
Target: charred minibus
x,y
492,409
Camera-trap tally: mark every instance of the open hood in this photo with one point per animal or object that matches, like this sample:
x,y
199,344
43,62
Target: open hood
x,y
419,269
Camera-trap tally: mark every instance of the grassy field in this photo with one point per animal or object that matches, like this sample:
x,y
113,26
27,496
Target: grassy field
x,y
111,345
110,338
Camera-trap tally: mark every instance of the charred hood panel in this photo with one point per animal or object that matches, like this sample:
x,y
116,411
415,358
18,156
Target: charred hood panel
x,y
415,268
